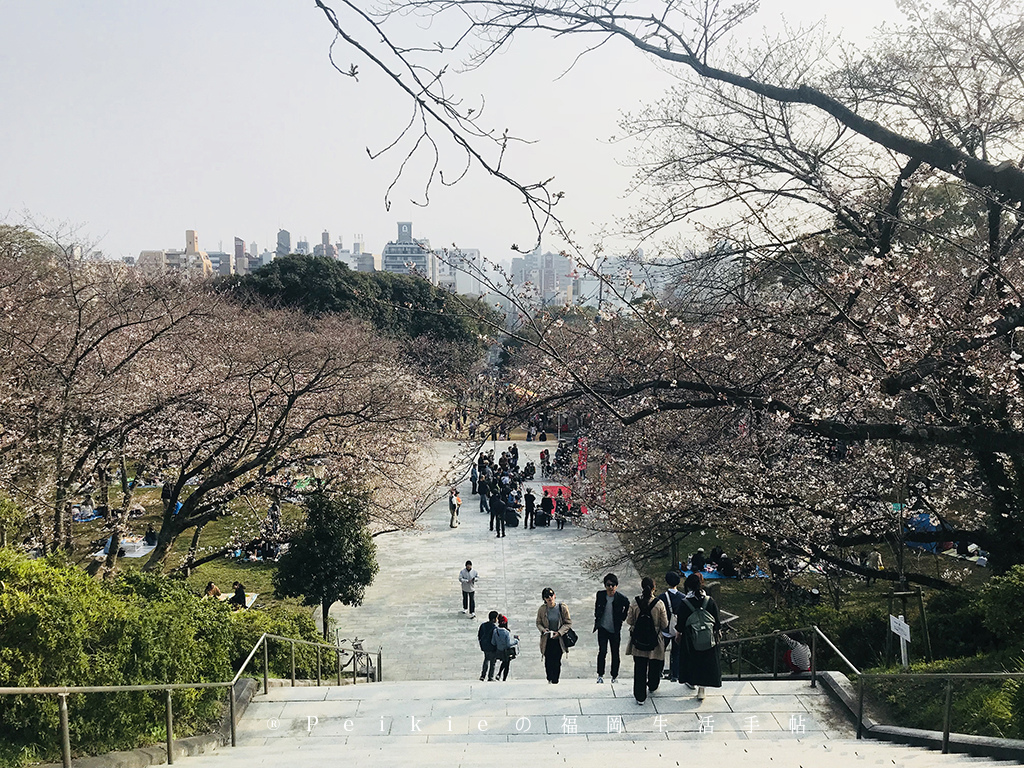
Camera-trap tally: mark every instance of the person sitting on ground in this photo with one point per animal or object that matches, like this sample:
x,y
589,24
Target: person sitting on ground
x,y
697,561
238,599
212,590
716,556
726,567
150,538
798,657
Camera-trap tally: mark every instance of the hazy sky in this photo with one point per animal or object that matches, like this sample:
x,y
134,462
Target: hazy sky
x,y
138,120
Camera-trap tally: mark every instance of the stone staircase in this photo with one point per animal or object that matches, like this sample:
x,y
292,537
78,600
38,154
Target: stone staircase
x,y
778,723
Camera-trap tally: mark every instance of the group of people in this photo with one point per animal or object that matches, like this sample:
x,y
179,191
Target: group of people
x,y
238,599
500,484
681,625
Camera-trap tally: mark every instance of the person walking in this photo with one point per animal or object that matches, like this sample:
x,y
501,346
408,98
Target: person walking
x,y
530,503
673,600
553,621
874,562
474,477
610,610
485,636
468,577
454,505
700,628
647,618
484,489
507,646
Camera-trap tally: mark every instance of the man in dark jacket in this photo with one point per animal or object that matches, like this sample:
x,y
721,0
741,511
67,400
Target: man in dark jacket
x,y
610,609
485,636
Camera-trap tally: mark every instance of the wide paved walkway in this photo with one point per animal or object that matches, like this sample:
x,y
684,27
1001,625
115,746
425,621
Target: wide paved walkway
x,y
414,607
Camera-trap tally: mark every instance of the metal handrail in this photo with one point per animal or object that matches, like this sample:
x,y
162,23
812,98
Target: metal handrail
x,y
63,691
815,633
949,677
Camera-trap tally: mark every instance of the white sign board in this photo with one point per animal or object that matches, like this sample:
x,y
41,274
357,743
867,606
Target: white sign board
x,y
899,627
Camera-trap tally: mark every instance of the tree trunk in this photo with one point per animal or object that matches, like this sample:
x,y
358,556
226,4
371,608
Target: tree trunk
x,y
190,560
103,478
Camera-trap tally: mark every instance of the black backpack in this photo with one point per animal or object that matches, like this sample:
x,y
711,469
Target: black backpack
x,y
644,633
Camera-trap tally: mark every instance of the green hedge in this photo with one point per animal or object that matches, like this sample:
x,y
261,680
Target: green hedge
x,y
978,707
58,626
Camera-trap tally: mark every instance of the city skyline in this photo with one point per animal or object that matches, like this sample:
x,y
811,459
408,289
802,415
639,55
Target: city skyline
x,y
142,121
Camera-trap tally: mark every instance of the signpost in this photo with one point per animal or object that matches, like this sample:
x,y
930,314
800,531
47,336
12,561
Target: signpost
x,y
901,628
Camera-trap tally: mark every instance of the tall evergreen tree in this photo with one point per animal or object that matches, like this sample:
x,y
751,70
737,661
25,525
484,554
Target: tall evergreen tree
x,y
333,558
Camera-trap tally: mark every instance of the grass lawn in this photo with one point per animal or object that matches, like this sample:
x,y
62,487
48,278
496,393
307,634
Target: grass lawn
x,y
751,598
256,576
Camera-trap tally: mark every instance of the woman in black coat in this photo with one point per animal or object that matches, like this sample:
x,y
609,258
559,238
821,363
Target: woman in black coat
x,y
699,669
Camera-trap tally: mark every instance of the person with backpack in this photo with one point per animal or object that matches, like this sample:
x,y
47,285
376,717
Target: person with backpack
x,y
507,646
700,629
673,600
454,505
647,618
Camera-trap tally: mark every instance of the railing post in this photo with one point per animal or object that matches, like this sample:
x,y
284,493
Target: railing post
x,y
169,723
65,730
775,658
814,658
380,675
355,665
231,713
318,666
860,706
368,665
739,660
266,666
293,663
945,716
338,660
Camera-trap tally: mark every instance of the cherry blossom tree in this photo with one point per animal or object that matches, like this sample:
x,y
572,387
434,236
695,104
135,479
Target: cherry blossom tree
x,y
846,334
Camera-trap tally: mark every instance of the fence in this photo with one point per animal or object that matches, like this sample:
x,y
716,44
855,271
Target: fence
x,y
62,692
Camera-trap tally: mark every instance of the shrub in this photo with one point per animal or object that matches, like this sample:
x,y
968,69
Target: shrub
x,y
60,627
978,707
957,625
1003,601
858,632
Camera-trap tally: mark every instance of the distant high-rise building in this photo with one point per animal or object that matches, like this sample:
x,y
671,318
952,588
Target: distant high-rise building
x,y
302,246
192,260
254,252
241,263
324,247
407,255
284,243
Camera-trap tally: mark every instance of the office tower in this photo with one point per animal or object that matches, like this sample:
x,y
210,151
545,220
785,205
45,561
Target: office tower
x,y
408,256
284,243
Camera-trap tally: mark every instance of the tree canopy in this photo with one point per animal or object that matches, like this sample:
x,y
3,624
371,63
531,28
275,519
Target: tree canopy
x,y
333,557
847,334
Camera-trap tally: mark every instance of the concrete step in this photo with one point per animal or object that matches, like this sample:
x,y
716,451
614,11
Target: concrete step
x,y
777,723
588,752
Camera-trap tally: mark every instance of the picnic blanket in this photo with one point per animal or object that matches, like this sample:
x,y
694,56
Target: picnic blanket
x,y
133,546
710,572
250,598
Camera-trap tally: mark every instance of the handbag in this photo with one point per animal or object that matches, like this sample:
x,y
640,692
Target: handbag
x,y
570,638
